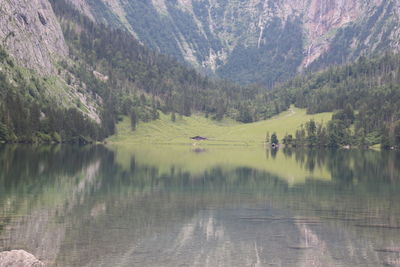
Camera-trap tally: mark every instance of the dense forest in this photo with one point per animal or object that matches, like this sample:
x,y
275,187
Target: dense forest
x,y
365,96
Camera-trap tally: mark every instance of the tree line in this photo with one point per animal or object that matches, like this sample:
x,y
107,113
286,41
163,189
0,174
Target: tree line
x,y
364,95
336,133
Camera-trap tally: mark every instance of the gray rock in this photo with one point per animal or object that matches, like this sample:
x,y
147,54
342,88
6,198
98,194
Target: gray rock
x,y
19,258
31,33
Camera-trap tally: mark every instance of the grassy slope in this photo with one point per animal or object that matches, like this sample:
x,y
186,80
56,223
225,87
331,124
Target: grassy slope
x,y
164,131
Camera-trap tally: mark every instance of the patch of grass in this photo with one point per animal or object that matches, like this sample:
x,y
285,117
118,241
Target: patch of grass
x,y
227,132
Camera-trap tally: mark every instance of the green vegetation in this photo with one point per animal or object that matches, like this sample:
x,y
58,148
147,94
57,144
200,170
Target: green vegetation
x,y
134,82
368,86
143,82
334,135
274,139
34,109
225,132
127,80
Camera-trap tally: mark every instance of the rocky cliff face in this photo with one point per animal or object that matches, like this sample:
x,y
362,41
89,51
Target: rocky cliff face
x,y
31,33
257,40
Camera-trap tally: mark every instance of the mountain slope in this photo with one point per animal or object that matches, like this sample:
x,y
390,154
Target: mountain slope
x,y
79,92
256,41
30,32
39,99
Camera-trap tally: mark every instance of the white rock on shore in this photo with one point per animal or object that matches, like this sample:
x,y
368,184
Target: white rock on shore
x,y
19,258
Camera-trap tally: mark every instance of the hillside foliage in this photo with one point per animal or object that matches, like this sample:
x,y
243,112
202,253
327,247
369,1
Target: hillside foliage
x,y
370,87
30,114
135,81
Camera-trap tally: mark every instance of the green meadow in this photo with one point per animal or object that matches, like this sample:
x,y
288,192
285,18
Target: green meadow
x,y
226,132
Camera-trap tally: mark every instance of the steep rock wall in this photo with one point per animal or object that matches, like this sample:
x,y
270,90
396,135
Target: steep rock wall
x,y
31,33
257,40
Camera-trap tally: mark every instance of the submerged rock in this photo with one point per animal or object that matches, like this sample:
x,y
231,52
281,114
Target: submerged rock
x,y
19,258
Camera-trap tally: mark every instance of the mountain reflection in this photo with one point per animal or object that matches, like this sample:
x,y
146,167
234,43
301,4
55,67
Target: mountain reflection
x,y
92,206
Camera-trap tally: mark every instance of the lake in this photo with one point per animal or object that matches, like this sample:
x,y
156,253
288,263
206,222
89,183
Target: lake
x,y
192,206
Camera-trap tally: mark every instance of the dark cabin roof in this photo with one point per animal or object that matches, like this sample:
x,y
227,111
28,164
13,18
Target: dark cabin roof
x,y
198,138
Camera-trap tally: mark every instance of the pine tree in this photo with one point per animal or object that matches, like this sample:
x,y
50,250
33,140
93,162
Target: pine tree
x,y
3,132
274,139
134,120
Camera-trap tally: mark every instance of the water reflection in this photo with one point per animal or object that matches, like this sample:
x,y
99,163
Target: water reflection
x,y
92,206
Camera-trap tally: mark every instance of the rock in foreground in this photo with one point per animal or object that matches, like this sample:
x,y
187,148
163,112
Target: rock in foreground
x,y
19,258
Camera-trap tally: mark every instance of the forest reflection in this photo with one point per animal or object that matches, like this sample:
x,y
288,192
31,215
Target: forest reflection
x,y
350,166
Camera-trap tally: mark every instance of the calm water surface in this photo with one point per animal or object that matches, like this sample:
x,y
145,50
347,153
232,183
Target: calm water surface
x,y
179,206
